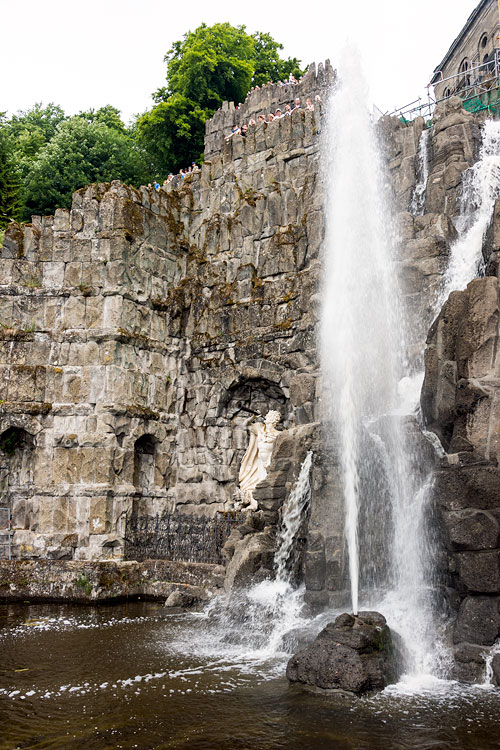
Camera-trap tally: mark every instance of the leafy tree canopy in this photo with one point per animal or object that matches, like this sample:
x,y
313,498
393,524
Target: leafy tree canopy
x,y
268,65
173,132
31,129
81,152
208,66
108,115
211,64
10,188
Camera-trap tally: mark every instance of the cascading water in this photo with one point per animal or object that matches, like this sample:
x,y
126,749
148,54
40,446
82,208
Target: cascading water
x,y
488,663
363,361
481,188
417,205
251,625
292,519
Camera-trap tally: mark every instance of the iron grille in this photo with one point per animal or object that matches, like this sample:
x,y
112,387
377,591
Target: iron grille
x,y
178,537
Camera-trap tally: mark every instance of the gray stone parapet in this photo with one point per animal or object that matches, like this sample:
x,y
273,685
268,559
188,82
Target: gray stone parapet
x,y
264,100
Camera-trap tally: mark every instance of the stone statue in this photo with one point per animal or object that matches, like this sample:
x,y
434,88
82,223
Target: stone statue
x,y
256,459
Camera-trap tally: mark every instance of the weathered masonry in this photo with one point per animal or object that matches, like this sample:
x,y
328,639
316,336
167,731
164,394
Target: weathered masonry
x,y
471,58
140,329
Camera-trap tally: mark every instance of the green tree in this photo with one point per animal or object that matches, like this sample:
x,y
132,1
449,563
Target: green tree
x,y
81,152
268,65
208,66
108,115
31,129
211,64
172,133
10,187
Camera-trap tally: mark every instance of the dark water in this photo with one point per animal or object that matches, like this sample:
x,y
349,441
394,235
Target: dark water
x,y
132,676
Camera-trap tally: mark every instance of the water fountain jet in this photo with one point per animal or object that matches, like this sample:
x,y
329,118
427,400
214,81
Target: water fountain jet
x,y
363,356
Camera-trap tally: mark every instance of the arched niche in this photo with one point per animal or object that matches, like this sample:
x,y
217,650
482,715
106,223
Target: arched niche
x,y
16,457
144,463
249,397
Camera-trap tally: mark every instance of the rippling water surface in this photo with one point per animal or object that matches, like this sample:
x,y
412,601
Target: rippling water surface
x,y
134,676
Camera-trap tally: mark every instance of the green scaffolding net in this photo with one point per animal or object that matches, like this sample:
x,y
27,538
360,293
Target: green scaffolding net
x,y
489,100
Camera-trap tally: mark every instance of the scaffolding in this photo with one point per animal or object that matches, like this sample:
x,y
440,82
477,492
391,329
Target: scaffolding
x,y
478,87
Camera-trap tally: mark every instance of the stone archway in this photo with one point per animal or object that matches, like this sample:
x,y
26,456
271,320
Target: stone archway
x,y
144,463
16,458
244,399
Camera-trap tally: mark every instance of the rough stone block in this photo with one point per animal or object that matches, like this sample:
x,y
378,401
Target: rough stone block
x,y
479,572
472,530
74,312
61,220
469,665
100,515
463,487
53,273
478,620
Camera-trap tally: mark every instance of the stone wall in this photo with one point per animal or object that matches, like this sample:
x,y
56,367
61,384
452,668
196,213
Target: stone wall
x,y
264,100
85,365
141,329
87,582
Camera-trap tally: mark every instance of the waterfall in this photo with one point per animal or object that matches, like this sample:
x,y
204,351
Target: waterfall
x,y
294,510
259,622
363,357
417,204
481,188
488,663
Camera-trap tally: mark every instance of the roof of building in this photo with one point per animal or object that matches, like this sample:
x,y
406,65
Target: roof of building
x,y
470,21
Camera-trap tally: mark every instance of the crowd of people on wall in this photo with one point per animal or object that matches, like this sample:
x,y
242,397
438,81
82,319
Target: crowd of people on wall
x,y
243,128
181,173
278,114
291,81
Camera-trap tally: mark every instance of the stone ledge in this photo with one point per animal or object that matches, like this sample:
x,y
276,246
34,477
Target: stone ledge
x,y
84,582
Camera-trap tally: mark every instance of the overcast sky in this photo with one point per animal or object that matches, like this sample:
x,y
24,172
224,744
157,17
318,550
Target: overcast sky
x,y
95,52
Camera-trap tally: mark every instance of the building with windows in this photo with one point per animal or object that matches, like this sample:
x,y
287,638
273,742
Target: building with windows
x,y
470,67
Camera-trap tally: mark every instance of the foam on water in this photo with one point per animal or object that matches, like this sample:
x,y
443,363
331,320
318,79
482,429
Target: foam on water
x,y
42,624
252,626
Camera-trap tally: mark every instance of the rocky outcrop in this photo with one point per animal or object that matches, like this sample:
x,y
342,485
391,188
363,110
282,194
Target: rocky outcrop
x,y
183,598
459,402
461,380
352,654
424,240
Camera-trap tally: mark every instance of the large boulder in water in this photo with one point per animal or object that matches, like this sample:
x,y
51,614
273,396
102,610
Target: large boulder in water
x,y
353,654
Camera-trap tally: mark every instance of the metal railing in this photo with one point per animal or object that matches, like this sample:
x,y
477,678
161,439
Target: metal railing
x,y
5,534
478,87
178,537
